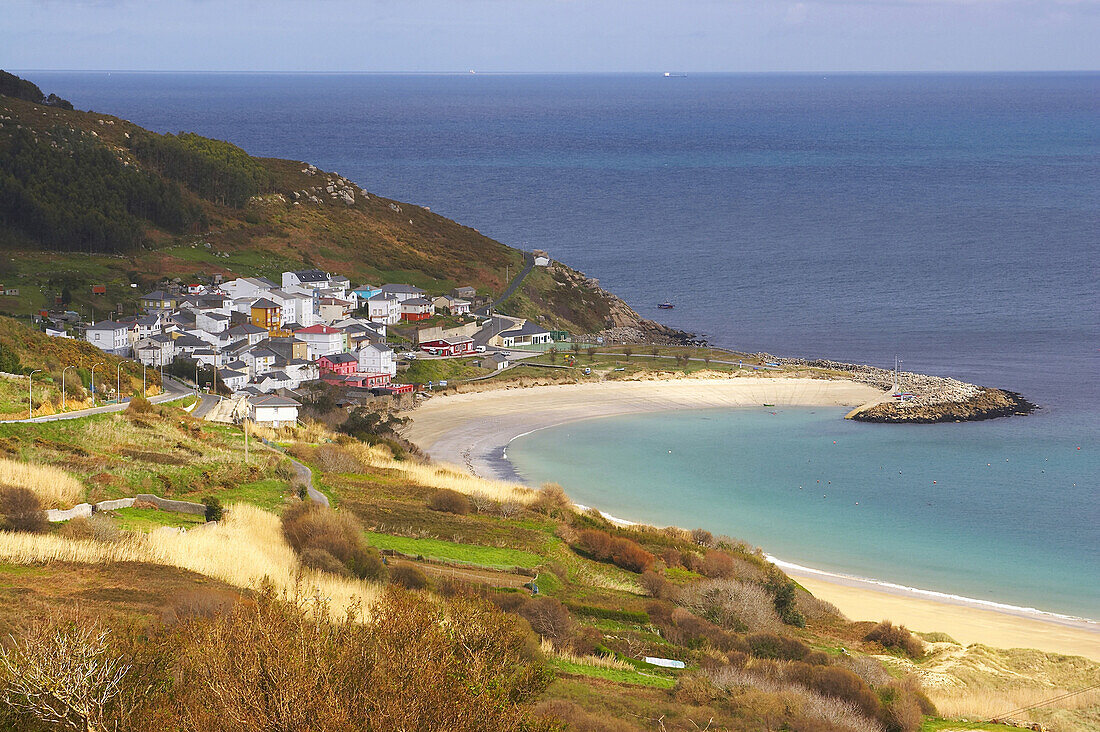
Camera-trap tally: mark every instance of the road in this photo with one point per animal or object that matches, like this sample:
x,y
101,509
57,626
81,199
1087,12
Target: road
x,y
172,390
529,264
302,475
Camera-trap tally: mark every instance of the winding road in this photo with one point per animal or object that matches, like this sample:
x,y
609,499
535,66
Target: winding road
x,y
529,264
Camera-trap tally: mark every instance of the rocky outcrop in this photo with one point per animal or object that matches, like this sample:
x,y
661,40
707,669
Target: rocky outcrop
x,y
986,403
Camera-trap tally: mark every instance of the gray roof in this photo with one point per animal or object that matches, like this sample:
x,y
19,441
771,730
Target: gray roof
x,y
341,357
401,288
527,328
246,329
266,304
107,325
273,400
417,301
157,295
311,275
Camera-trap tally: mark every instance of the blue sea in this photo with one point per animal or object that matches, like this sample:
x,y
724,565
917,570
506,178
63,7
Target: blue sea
x,y
951,220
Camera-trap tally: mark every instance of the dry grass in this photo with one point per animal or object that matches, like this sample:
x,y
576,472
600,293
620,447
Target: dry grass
x,y
441,476
55,488
989,703
243,550
592,660
311,432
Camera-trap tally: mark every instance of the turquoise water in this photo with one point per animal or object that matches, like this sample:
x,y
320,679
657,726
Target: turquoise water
x,y
989,511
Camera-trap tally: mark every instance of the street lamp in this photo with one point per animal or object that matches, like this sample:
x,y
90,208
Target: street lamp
x,y
63,386
30,402
93,382
143,380
118,383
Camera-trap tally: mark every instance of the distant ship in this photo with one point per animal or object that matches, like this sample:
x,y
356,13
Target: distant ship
x,y
666,305
670,75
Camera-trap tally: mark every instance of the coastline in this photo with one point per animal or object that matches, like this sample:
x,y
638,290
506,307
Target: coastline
x,y
474,429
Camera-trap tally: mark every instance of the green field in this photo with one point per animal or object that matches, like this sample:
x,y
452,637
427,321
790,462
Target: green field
x,y
449,551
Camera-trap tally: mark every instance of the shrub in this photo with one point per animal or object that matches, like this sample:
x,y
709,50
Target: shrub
x,y
337,459
284,470
619,551
308,525
408,576
450,502
140,405
21,510
549,618
552,501
785,603
319,559
104,529
655,584
214,510
896,637
717,564
672,558
702,537
839,683
76,528
735,605
771,645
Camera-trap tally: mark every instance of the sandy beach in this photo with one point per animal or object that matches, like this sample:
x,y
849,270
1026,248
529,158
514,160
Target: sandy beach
x,y
473,430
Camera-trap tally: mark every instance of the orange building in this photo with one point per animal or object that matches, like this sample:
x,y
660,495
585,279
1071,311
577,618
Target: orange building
x,y
268,315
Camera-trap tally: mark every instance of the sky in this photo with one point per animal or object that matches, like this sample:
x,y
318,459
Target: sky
x,y
551,35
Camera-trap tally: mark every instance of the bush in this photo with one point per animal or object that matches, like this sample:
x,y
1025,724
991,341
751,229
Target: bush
x,y
320,559
702,537
21,510
549,618
619,551
655,584
408,576
608,613
140,405
450,502
214,510
76,528
785,602
552,501
284,470
896,637
771,645
839,683
308,525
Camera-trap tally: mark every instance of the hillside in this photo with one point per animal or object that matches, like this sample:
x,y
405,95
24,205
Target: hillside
x,y
90,199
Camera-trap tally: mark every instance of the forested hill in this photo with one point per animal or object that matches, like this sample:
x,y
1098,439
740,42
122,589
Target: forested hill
x,y
90,199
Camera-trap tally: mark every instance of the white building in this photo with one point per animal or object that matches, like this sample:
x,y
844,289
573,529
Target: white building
x,y
452,305
233,380
158,350
321,340
376,358
109,336
402,292
273,411
247,287
384,309
312,278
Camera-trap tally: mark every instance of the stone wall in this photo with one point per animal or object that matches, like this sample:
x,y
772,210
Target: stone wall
x,y
87,509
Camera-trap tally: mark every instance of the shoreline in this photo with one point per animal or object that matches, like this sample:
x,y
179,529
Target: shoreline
x,y
474,430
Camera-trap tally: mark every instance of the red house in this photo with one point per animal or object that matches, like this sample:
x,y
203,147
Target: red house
x,y
448,346
417,308
344,364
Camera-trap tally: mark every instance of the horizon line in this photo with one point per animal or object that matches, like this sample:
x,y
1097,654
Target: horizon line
x,y
475,72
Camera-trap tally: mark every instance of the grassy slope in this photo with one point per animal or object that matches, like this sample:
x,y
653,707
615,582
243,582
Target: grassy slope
x,y
374,240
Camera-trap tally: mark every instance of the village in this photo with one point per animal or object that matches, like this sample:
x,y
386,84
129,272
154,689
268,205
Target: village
x,y
261,342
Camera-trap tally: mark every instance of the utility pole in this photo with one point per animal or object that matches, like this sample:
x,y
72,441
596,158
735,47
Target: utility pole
x,y
118,383
63,386
93,382
30,396
246,440
143,380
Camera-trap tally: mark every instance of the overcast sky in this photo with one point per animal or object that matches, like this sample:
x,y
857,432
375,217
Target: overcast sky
x,y
551,35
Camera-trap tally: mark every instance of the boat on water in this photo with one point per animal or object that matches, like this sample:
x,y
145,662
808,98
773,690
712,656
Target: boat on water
x,y
670,75
666,305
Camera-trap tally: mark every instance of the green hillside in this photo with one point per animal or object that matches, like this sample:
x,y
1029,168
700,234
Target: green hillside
x,y
90,199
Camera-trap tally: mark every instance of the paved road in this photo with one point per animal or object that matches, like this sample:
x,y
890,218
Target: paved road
x,y
302,475
172,390
529,264
206,403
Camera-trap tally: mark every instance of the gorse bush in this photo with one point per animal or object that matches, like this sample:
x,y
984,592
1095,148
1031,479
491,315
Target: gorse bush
x,y
620,551
896,637
449,501
409,576
311,526
21,510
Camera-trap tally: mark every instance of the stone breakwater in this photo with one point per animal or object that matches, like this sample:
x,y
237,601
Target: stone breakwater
x,y
936,398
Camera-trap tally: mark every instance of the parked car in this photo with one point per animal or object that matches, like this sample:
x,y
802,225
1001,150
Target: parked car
x,y
480,349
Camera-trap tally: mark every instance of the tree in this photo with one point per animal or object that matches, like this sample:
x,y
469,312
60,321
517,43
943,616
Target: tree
x,y
66,295
64,676
214,510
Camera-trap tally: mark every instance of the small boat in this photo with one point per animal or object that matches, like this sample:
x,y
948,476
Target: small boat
x,y
769,405
666,305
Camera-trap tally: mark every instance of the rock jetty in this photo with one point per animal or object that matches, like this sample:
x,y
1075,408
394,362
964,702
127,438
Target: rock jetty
x,y
936,398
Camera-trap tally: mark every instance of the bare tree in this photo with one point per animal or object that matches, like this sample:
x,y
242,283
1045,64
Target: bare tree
x,y
64,675
482,502
509,509
628,351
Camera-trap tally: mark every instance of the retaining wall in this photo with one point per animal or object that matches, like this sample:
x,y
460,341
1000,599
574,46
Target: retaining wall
x,y
87,509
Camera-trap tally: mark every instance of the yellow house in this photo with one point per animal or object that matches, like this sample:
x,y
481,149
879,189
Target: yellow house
x,y
268,315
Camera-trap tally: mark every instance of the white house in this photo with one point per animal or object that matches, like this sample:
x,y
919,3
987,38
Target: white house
x,y
271,410
527,334
331,309
384,309
109,336
402,292
376,358
247,332
158,350
260,360
211,321
542,260
247,287
321,340
311,278
233,380
298,307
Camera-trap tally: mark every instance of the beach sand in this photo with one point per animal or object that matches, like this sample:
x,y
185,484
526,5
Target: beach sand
x,y
473,430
